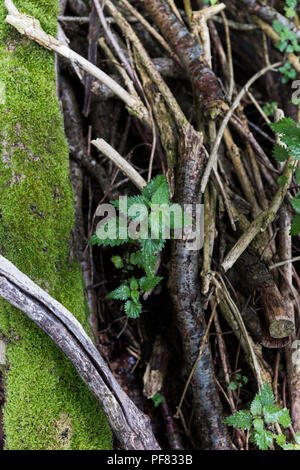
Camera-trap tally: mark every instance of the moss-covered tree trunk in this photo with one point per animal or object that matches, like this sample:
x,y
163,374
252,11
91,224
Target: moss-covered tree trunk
x,y
47,405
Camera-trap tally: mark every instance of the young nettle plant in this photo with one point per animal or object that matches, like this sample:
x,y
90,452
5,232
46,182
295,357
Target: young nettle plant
x,y
288,42
145,250
238,383
260,421
269,108
289,134
290,8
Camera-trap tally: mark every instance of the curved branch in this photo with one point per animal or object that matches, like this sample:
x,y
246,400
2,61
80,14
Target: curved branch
x,y
130,425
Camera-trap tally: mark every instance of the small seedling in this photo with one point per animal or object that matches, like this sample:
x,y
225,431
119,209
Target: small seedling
x,y
157,399
269,108
289,8
144,255
239,381
289,134
260,420
288,42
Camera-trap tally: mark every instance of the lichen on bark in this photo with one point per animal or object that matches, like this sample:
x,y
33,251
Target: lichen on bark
x,y
47,405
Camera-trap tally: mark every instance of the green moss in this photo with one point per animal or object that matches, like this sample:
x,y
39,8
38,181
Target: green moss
x,y
47,404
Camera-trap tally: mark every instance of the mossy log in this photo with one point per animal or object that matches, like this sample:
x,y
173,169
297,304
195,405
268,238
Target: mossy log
x,y
47,406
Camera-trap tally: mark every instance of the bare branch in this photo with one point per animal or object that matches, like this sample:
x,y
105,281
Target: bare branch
x,y
129,424
31,28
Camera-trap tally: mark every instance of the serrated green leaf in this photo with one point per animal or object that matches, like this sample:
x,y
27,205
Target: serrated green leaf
x,y
117,261
289,132
296,203
153,186
289,12
245,379
263,439
271,413
256,407
295,227
284,418
277,26
133,308
120,293
291,3
280,440
135,294
149,251
280,153
258,424
283,126
134,285
138,199
242,419
109,241
148,283
266,395
136,259
157,399
162,194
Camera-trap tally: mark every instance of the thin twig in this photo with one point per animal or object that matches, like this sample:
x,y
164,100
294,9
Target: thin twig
x,y
214,152
281,263
31,28
120,162
150,29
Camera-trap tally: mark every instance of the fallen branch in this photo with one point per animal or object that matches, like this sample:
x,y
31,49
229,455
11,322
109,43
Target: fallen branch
x,y
255,276
269,14
185,290
130,426
262,221
293,58
214,152
31,28
205,83
120,162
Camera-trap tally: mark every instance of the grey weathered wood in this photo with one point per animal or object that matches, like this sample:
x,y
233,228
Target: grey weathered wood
x,y
131,427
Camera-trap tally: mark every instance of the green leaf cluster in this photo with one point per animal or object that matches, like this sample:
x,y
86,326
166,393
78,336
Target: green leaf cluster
x,y
290,8
131,290
259,420
239,381
157,399
146,250
288,42
289,134
269,108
